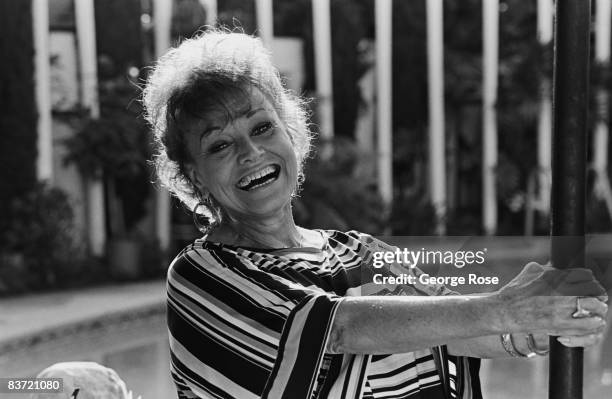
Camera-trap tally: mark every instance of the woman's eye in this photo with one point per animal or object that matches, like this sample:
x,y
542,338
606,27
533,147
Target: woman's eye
x,y
217,147
263,128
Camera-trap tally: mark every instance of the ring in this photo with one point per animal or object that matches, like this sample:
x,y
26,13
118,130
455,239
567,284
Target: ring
x,y
531,344
580,312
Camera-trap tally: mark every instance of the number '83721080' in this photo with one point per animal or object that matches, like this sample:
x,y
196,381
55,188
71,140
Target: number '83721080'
x,y
31,385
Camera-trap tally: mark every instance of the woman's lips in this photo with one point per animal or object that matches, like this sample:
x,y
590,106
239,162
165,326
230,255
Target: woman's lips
x,y
259,178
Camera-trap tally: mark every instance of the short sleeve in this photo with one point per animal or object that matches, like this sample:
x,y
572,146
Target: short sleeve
x,y
238,332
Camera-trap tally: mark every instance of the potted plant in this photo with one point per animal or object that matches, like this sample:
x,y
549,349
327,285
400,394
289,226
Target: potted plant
x,y
114,148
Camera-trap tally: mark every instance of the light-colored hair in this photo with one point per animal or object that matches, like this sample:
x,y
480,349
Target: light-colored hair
x,y
203,78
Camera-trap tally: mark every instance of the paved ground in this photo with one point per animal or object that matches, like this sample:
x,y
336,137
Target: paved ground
x,y
33,314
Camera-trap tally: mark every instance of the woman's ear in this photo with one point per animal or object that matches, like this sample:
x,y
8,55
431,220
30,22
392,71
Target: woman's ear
x,y
193,175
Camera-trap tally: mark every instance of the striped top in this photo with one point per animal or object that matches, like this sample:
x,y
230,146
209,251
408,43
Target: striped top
x,y
250,323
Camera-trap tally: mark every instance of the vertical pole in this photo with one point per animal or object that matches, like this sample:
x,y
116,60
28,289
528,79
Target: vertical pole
x,y
211,11
490,33
86,39
323,66
543,173
545,35
162,17
570,105
42,82
435,80
86,31
384,103
602,190
265,25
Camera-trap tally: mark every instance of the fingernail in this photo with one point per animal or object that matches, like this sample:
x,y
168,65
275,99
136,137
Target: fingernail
x,y
564,341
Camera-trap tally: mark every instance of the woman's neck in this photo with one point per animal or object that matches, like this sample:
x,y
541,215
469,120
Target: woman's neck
x,y
275,231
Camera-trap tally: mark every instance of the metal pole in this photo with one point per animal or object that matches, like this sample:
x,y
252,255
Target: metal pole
x,y
490,39
545,36
86,39
265,25
384,95
602,189
211,11
435,80
321,11
570,102
162,16
42,82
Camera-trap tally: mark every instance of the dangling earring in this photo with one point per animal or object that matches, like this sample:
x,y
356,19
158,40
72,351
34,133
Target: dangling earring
x,y
203,227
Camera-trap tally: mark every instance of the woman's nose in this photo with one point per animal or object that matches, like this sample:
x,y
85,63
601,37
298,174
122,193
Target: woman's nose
x,y
249,151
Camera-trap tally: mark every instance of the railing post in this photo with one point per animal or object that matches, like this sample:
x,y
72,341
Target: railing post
x,y
490,66
383,16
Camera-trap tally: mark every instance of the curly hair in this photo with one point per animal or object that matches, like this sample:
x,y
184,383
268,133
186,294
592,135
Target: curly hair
x,y
205,77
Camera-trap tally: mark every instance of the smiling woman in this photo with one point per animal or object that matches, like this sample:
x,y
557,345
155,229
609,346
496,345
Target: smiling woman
x,y
260,307
252,155
201,96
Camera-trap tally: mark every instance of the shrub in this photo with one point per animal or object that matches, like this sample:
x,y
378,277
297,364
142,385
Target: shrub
x,y
39,249
340,192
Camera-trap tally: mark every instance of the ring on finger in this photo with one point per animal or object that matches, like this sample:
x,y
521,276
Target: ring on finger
x,y
580,311
531,344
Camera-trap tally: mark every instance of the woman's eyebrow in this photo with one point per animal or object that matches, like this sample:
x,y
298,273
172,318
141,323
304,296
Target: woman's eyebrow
x,y
208,131
250,112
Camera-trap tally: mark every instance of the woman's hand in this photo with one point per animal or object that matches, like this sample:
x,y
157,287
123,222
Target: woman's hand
x,y
540,300
575,341
544,300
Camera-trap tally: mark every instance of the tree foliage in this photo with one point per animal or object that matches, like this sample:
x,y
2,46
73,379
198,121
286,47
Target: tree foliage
x,y
18,135
522,65
40,250
119,37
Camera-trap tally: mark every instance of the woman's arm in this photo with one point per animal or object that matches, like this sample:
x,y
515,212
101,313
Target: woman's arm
x,y
490,347
529,303
380,325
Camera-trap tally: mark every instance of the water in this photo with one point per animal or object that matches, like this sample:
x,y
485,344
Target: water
x,y
137,348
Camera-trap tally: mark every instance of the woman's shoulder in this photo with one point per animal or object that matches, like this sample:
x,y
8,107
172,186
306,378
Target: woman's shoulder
x,y
200,254
352,237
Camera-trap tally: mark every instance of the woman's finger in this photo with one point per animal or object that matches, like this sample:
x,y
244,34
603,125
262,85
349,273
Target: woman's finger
x,y
579,326
578,275
574,341
593,306
548,266
560,285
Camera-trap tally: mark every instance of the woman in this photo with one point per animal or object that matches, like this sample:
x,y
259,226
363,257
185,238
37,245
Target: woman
x,y
260,307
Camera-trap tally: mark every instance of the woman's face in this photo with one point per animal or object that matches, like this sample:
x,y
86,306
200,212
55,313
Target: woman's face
x,y
248,165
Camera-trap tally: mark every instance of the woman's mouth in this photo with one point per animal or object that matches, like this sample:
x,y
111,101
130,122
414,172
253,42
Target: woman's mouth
x,y
260,178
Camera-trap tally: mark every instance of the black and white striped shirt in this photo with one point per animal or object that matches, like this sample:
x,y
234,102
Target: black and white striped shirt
x,y
250,323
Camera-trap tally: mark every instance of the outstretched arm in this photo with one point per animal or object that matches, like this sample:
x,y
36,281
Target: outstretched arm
x,y
471,324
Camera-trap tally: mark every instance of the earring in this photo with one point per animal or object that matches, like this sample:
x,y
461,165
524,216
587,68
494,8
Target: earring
x,y
207,225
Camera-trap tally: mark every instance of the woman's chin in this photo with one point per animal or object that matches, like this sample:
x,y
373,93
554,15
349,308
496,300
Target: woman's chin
x,y
264,200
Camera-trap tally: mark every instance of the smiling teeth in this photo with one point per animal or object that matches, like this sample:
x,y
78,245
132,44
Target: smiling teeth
x,y
248,179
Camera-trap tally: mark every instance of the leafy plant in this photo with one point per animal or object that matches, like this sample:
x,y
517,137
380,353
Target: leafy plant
x,y
39,249
19,115
115,149
340,191
109,147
